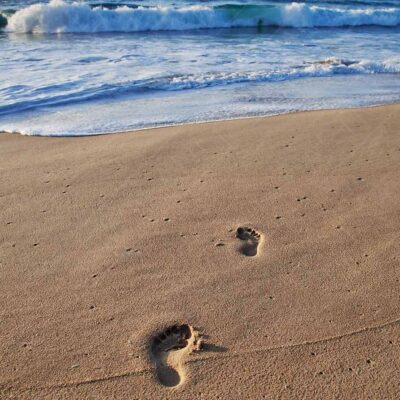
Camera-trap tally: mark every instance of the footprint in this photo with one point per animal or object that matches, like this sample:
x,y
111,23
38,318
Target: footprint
x,y
251,238
169,349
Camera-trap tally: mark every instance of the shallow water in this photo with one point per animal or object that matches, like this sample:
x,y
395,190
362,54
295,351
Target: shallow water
x,y
67,72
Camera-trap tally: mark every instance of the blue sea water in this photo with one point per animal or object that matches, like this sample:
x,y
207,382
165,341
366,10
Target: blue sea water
x,y
90,67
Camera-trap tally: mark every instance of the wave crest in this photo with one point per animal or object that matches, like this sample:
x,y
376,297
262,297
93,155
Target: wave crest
x,y
58,17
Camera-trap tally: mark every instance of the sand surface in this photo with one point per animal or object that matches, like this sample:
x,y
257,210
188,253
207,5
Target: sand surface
x,y
106,241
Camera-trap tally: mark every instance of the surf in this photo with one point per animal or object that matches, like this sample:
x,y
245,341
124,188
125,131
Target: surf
x,y
174,83
61,17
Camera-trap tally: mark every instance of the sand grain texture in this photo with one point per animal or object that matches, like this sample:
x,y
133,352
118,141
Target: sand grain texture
x,y
107,241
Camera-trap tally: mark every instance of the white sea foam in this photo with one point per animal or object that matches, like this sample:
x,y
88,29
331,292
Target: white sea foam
x,y
324,68
183,107
58,16
85,84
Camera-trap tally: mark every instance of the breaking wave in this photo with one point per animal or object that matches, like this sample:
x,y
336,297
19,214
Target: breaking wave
x,y
60,17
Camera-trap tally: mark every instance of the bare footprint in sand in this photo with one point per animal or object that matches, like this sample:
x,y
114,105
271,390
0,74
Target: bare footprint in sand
x,y
169,349
251,240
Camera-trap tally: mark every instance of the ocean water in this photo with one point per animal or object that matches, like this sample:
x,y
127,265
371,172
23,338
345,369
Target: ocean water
x,y
92,67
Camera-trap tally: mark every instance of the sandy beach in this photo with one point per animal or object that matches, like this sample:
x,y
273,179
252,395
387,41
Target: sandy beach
x,y
247,259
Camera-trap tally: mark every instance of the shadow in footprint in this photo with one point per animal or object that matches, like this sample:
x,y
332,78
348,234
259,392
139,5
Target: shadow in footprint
x,y
213,348
169,349
251,240
168,376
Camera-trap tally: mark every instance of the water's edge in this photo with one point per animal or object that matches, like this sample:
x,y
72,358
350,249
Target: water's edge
x,y
211,121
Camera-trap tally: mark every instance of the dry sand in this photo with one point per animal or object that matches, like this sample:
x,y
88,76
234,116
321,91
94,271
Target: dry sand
x,y
106,241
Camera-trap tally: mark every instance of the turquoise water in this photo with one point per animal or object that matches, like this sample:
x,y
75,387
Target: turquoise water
x,y
91,67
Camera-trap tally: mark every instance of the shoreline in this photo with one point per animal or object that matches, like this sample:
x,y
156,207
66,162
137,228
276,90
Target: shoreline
x,y
107,240
150,128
